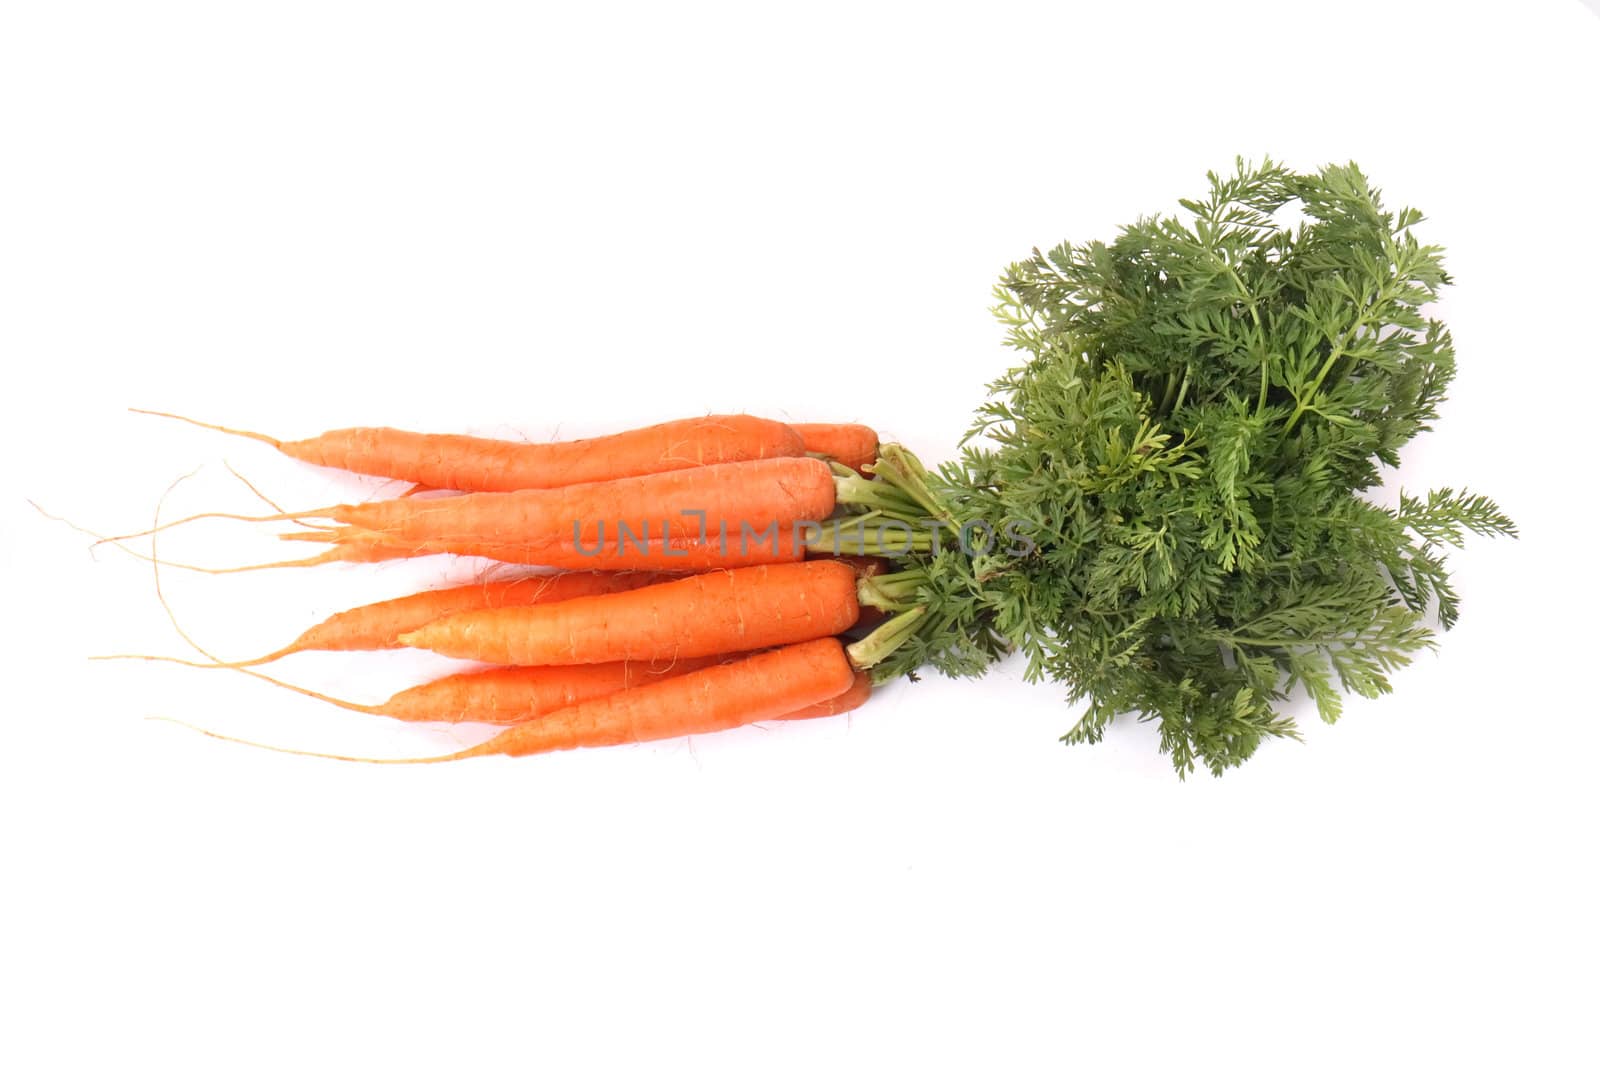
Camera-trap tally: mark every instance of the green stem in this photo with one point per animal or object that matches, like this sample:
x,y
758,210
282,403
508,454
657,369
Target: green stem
x,y
1255,318
1305,403
875,495
1339,350
889,592
1166,396
881,643
1184,389
872,534
905,472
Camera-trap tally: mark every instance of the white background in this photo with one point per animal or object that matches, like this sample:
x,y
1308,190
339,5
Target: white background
x,y
533,221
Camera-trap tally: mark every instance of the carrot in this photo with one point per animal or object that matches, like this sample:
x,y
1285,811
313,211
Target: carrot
x,y
851,699
697,503
379,626
865,567
701,615
767,544
516,694
456,461
508,694
769,685
672,504
849,443
499,695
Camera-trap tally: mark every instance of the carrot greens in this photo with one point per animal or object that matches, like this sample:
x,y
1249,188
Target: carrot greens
x,y
1184,460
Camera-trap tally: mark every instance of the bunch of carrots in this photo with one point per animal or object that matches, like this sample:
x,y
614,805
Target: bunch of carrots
x,y
1165,511
685,583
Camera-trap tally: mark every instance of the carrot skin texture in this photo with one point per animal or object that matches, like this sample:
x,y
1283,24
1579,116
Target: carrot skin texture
x,y
517,694
865,567
851,699
379,626
701,615
686,555
673,504
850,443
455,461
765,686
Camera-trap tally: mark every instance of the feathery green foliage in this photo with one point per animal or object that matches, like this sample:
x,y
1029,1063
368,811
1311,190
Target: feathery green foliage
x,y
1183,457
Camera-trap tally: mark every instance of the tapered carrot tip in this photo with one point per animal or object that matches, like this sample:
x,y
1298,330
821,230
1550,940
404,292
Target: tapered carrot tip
x,y
446,758
281,516
232,665
768,685
250,434
458,462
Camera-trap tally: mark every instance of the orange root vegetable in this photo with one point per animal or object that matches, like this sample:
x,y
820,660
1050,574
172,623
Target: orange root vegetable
x,y
455,461
501,695
701,615
851,699
662,558
849,443
498,695
517,694
686,555
508,694
674,504
697,503
379,626
769,685
866,567
505,695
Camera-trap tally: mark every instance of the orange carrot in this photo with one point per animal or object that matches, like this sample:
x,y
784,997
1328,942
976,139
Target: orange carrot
x,y
851,699
767,544
455,461
769,685
699,503
701,615
865,567
508,694
673,504
504,695
497,695
849,443
516,694
379,625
